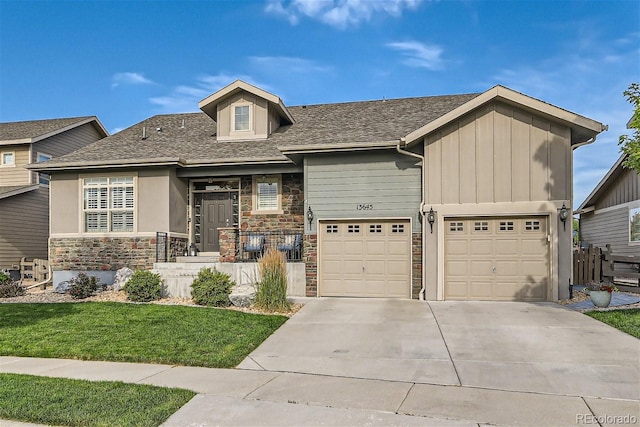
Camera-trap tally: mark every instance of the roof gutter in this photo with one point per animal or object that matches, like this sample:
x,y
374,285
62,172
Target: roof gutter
x,y
421,294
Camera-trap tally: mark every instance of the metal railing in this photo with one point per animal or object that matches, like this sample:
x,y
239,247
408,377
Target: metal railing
x,y
252,245
162,247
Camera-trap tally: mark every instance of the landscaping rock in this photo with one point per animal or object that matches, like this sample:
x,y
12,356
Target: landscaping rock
x,y
242,295
122,277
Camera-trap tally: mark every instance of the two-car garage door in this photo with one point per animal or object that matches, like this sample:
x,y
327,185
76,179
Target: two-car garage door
x,y
368,258
498,259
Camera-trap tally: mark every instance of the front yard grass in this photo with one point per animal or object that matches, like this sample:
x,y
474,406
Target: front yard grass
x,y
59,401
626,320
147,333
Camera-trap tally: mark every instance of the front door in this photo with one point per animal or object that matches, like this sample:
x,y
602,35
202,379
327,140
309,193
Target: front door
x,y
216,210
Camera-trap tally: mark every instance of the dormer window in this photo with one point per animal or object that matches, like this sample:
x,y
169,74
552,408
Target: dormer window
x,y
241,118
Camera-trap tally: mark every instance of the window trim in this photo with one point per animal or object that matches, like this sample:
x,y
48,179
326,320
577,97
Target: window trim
x,y
8,165
633,210
40,174
232,129
274,179
83,223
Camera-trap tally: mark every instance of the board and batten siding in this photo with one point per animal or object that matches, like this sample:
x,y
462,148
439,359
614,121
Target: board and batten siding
x,y
498,154
609,227
624,190
24,227
17,174
363,185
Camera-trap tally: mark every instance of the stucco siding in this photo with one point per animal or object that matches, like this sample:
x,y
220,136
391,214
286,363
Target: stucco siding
x,y
609,227
367,185
65,203
153,201
24,228
498,154
259,117
178,191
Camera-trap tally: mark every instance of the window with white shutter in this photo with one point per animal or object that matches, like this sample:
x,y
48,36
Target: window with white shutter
x,y
266,191
108,204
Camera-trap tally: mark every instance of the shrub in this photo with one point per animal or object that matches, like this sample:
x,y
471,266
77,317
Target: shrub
x,y
271,294
4,278
83,286
143,286
212,288
10,289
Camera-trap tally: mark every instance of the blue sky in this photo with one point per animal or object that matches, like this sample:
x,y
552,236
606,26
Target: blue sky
x,y
124,61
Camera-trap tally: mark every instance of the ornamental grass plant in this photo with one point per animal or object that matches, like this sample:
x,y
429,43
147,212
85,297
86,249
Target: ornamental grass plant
x,y
271,292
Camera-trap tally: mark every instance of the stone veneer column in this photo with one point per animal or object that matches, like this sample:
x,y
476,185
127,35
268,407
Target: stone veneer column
x,y
310,257
228,238
416,268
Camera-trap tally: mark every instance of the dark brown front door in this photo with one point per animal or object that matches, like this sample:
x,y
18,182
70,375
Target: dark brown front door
x,y
216,210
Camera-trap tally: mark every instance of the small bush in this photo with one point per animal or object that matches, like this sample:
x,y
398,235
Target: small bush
x,y
271,294
83,286
10,289
4,278
143,286
212,288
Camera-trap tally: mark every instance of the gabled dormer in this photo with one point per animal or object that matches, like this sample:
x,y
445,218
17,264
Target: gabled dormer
x,y
243,111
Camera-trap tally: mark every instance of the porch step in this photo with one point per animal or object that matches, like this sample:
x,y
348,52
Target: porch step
x,y
198,259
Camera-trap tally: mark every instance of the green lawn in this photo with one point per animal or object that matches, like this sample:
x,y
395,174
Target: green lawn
x,y
152,333
65,402
626,320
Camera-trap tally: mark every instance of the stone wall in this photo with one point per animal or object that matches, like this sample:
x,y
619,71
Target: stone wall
x,y
292,217
416,267
310,258
108,253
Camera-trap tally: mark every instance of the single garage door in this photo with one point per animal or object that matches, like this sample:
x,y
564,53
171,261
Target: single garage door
x,y
497,259
365,258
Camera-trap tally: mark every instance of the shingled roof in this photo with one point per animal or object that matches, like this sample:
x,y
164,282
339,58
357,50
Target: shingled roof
x,y
190,139
35,130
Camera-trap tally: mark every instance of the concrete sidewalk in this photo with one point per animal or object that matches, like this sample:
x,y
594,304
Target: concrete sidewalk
x,y
387,362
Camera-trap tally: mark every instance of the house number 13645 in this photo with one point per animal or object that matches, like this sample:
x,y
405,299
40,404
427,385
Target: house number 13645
x,y
364,207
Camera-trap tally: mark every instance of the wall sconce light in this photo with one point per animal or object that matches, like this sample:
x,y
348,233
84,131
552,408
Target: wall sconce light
x,y
431,217
309,215
563,215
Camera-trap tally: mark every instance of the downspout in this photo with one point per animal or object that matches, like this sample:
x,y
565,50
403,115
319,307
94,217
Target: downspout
x,y
421,294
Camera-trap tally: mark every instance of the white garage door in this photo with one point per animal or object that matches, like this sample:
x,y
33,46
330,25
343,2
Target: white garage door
x,y
498,259
365,258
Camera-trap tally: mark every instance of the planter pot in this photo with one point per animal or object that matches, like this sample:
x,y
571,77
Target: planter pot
x,y
600,298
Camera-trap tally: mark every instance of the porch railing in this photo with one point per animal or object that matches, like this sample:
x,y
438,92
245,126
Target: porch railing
x,y
253,244
162,247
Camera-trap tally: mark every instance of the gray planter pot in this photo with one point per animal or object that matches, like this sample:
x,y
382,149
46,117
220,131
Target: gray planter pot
x,y
600,298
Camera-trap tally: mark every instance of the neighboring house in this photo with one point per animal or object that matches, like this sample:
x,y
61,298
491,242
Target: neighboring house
x,y
482,177
24,195
611,213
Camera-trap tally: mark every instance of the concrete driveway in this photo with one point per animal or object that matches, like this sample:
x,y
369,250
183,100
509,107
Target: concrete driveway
x,y
484,362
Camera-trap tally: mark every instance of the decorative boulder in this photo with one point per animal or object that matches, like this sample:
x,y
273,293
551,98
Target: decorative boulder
x,y
242,295
122,276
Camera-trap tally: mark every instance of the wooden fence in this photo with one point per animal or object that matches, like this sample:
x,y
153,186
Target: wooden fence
x,y
36,269
593,264
587,265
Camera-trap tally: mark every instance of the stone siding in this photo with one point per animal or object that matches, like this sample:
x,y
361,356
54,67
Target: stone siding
x,y
292,217
416,268
108,253
310,258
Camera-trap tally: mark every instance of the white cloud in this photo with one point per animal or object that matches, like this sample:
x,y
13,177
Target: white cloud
x,y
419,55
184,98
338,13
129,78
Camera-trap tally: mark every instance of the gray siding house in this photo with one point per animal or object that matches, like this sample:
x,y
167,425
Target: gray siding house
x,y
611,213
24,194
439,197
